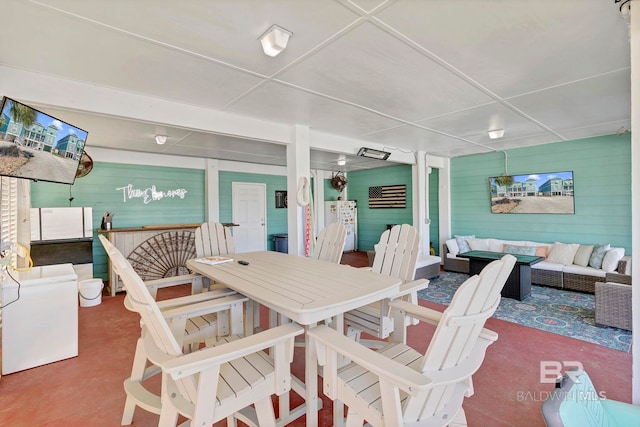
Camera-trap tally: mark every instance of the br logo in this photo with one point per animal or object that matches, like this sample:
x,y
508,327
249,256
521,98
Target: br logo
x,y
552,370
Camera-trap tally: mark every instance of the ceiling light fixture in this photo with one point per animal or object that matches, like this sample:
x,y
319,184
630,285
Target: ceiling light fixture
x,y
341,161
373,154
275,40
161,139
496,133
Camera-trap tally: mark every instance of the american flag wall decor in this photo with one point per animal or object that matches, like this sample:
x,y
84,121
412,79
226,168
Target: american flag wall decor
x,y
388,196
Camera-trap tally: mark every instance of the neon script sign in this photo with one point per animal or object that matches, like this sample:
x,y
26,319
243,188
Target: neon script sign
x,y
151,194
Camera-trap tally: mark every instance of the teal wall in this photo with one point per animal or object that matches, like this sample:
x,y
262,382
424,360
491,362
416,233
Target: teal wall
x,y
434,209
276,218
98,191
602,181
373,222
330,193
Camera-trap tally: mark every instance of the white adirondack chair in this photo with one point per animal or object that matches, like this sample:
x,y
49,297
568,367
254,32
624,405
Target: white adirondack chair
x,y
193,319
397,385
212,238
330,243
217,382
396,256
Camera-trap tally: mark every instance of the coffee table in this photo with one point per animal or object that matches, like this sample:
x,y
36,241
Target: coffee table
x,y
518,285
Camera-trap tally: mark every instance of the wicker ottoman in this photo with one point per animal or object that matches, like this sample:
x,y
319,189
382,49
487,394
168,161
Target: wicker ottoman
x,y
613,301
428,267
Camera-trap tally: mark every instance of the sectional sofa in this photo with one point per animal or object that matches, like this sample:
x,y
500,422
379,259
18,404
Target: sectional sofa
x,y
566,266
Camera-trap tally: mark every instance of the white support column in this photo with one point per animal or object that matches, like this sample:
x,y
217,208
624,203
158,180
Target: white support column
x,y
634,40
212,190
444,201
318,198
298,168
420,179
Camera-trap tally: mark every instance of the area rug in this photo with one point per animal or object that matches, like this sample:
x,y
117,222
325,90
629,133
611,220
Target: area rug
x,y
553,310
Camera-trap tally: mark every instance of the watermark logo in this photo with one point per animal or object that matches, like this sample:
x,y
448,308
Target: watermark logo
x,y
552,370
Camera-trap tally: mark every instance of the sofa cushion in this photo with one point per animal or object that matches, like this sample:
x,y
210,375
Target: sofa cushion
x,y
425,260
463,244
519,250
597,255
611,259
452,246
582,255
562,253
479,244
585,271
495,245
550,266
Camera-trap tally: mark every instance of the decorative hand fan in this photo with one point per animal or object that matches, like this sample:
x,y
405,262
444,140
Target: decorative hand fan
x,y
164,255
85,165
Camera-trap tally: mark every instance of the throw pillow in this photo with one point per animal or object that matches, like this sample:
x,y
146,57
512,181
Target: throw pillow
x,y
582,255
452,246
542,251
479,244
519,250
563,253
611,258
597,255
463,245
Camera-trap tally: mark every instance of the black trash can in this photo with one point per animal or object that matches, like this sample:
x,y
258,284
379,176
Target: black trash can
x,y
282,243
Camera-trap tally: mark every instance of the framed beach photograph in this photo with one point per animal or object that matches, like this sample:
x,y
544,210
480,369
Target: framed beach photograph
x,y
536,193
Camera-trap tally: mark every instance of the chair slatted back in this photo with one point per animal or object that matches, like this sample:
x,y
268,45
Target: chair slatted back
x,y
141,300
461,325
330,243
212,238
397,252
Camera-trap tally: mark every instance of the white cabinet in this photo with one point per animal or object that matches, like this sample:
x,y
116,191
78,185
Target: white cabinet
x,y
41,326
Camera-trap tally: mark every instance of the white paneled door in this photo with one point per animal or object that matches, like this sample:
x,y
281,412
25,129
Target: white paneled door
x,y
250,213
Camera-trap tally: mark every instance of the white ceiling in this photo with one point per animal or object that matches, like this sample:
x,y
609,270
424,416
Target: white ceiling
x,y
406,75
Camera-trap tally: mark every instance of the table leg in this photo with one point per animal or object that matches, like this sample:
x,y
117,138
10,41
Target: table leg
x,y
338,407
311,381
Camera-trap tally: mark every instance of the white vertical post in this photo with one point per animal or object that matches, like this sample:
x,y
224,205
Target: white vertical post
x,y
421,200
444,202
212,190
298,168
634,40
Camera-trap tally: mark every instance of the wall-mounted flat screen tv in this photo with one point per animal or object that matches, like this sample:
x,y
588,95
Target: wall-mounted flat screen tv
x,y
37,146
538,193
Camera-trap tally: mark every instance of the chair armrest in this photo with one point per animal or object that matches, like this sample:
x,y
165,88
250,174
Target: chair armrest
x,y
433,317
154,285
204,307
413,286
191,299
618,278
624,265
192,363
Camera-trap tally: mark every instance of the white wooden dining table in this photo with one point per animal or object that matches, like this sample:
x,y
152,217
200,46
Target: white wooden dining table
x,y
306,291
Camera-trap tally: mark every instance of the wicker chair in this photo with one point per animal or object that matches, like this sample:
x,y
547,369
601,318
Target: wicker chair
x,y
613,301
457,265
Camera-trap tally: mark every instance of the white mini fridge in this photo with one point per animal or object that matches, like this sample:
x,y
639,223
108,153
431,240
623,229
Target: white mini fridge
x,y
346,212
